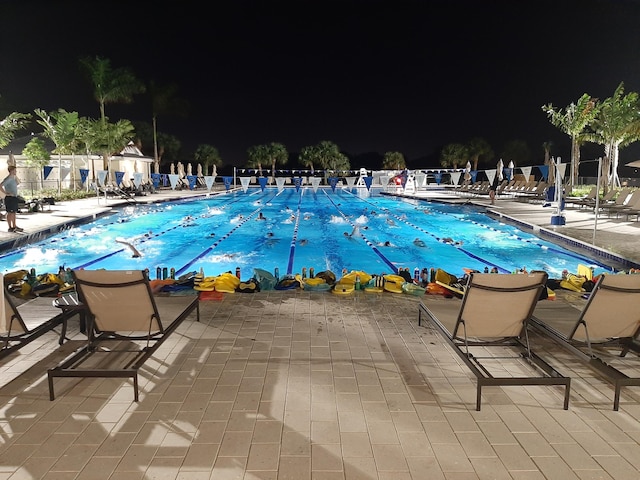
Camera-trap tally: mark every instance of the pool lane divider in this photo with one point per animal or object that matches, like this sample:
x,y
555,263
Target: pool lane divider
x,y
218,241
438,239
373,247
294,239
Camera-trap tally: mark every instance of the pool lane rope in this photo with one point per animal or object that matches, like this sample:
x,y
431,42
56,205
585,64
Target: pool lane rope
x,y
373,247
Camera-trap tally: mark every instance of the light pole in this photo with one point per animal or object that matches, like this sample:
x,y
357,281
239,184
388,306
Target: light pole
x,y
597,208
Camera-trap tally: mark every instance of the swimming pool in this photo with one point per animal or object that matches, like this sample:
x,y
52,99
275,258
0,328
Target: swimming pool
x,y
352,229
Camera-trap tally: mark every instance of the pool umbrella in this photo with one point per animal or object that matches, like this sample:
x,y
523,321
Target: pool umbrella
x,y
467,172
189,169
199,170
511,167
499,169
172,169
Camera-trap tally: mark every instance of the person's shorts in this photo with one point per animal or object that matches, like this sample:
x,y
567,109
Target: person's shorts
x,y
11,204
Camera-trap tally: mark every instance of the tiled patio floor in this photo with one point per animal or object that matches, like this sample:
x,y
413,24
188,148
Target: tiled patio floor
x,y
296,385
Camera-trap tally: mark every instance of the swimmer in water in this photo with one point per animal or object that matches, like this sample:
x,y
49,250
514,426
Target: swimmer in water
x,y
261,217
354,232
451,241
419,243
390,222
303,242
134,250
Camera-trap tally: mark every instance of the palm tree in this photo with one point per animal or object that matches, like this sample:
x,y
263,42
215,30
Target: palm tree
x,y
308,156
278,154
616,126
163,102
110,85
10,125
453,155
479,148
393,161
546,146
60,127
257,155
207,155
573,120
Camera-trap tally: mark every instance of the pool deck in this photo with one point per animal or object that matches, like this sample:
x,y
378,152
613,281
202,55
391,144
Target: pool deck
x,y
299,385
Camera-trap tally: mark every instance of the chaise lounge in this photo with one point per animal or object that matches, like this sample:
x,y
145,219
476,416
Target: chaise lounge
x,y
126,324
607,327
22,324
494,312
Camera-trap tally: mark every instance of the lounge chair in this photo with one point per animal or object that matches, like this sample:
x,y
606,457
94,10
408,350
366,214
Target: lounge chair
x,y
610,319
22,324
494,312
622,203
123,314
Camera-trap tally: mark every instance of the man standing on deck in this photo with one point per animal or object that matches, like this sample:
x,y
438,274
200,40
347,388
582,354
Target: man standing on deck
x,y
9,186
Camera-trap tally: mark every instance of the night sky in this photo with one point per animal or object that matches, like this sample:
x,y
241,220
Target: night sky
x,y
371,76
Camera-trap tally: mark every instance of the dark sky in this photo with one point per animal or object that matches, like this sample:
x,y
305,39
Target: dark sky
x,y
371,76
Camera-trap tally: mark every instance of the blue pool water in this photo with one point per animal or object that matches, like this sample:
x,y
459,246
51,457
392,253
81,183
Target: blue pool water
x,y
302,229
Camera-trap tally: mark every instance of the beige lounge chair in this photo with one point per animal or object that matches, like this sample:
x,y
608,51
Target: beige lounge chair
x,y
22,324
494,312
610,320
125,325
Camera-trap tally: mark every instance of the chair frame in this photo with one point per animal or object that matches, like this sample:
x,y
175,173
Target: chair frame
x,y
460,342
584,350
40,310
147,342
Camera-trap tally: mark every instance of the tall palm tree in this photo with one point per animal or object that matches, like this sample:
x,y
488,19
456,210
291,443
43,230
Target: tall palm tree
x,y
278,155
257,156
60,127
573,120
10,125
478,147
110,85
163,102
546,146
207,155
393,161
454,155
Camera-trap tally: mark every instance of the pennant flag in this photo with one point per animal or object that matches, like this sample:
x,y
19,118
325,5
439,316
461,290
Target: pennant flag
x,y
263,182
333,181
351,181
526,171
192,181
508,173
315,183
561,167
420,179
228,181
474,174
119,177
64,172
137,179
491,175
84,173
280,183
409,185
155,178
173,180
297,181
208,180
102,177
368,181
455,177
47,171
244,181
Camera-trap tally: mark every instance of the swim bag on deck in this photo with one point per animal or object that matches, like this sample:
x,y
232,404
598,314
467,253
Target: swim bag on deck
x,y
266,280
287,283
